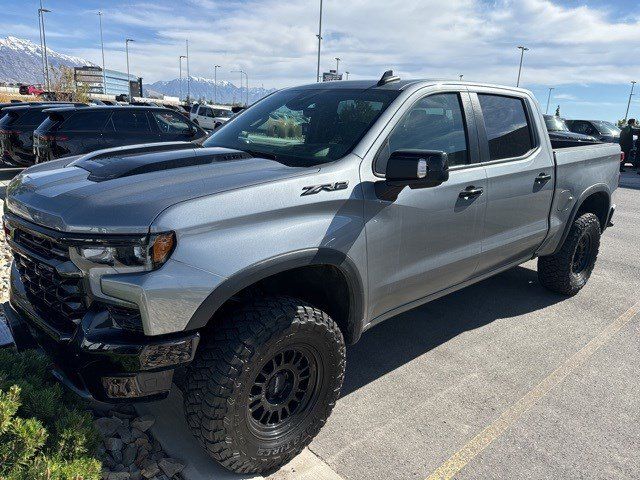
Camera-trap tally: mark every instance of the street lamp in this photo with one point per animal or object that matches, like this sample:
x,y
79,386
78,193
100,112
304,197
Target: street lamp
x,y
41,12
242,72
180,81
188,74
104,74
215,83
549,100
126,47
460,77
337,64
626,115
347,73
319,42
522,50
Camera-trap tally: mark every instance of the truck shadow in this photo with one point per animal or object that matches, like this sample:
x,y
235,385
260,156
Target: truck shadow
x,y
405,337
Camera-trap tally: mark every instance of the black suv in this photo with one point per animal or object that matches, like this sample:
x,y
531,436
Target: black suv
x,y
603,131
16,131
74,131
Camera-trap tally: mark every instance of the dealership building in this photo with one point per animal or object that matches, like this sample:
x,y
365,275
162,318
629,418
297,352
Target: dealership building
x,y
110,83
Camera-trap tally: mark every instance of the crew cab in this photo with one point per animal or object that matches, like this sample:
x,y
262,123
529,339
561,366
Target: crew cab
x,y
239,270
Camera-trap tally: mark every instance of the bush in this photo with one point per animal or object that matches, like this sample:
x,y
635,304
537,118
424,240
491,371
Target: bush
x,y
46,433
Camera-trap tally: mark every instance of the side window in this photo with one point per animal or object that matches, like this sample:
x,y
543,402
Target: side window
x,y
170,123
507,126
86,122
435,122
194,108
131,122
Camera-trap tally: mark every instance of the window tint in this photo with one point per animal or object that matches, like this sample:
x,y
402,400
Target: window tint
x,y
131,122
170,123
507,126
86,122
31,117
434,123
194,107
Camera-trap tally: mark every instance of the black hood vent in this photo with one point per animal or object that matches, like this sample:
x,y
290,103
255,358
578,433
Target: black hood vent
x,y
110,167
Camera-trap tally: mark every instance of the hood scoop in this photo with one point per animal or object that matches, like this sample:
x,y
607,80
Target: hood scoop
x,y
116,165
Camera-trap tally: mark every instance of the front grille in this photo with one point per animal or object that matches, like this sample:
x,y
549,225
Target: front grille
x,y
57,299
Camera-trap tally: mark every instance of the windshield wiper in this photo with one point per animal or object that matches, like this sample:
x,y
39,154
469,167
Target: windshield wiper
x,y
255,153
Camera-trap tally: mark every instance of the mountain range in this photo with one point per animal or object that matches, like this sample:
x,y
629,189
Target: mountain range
x,y
21,60
201,88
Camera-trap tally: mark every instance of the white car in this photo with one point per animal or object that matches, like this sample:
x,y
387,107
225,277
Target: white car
x,y
210,117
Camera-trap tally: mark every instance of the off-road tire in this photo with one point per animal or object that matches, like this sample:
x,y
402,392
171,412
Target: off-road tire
x,y
225,373
558,272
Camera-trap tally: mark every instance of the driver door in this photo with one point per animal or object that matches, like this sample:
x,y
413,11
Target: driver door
x,y
421,241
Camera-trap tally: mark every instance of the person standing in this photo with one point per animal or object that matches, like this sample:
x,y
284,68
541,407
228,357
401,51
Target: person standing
x,y
626,141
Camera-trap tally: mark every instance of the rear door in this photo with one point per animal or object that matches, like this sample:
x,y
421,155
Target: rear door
x,y
83,131
520,177
129,127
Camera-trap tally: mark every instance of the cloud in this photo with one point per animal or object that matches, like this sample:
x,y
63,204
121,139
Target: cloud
x,y
275,41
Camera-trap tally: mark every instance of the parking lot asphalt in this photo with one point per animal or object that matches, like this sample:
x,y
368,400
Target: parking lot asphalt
x,y
502,380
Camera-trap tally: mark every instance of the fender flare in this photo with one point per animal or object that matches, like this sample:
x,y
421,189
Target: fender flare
x,y
281,263
597,188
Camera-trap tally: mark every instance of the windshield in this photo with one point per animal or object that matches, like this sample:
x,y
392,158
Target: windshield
x,y
607,128
304,127
555,124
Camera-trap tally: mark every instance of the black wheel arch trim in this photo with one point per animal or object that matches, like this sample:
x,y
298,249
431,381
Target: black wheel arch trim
x,y
279,264
598,188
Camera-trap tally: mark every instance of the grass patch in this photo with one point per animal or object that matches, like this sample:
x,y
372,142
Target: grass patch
x,y
46,433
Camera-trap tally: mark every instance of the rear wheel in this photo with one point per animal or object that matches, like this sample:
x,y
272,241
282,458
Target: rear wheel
x,y
263,386
568,270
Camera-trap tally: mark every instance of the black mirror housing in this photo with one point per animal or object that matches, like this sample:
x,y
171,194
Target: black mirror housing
x,y
417,168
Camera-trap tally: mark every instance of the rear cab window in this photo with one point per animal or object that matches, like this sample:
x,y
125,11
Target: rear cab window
x,y
507,126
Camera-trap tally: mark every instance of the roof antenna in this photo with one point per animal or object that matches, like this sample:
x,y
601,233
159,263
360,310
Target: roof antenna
x,y
388,77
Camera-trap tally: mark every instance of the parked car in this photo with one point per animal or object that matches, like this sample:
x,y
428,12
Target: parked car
x,y
73,131
599,129
561,136
16,131
241,269
210,117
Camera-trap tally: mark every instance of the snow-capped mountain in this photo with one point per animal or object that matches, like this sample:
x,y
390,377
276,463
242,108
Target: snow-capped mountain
x,y
203,88
21,60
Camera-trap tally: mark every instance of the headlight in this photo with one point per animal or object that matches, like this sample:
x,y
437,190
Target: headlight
x,y
150,254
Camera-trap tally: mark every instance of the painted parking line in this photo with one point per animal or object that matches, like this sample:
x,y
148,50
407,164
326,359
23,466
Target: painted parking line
x,y
476,445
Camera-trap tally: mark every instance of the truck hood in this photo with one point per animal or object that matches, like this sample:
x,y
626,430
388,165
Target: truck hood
x,y
123,191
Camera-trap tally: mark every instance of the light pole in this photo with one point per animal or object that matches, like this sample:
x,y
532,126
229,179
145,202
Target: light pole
x,y
626,115
337,59
44,66
215,83
347,73
460,77
104,73
242,72
41,12
180,81
522,50
126,47
319,42
188,74
549,100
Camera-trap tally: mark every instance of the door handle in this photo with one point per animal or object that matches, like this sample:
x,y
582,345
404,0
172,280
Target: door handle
x,y
543,177
470,192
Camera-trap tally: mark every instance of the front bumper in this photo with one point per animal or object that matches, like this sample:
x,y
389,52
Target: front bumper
x,y
99,362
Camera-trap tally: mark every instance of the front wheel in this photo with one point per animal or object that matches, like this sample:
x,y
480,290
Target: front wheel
x,y
259,391
568,270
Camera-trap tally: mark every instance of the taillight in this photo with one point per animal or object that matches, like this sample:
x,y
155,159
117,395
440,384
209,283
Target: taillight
x,y
10,132
621,157
53,138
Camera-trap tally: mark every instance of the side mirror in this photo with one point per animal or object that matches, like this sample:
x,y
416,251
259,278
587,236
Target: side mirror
x,y
417,168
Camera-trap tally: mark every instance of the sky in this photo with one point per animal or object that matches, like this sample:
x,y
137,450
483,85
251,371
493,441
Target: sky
x,y
584,49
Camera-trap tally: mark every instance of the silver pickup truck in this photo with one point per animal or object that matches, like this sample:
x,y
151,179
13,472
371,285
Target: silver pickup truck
x,y
239,270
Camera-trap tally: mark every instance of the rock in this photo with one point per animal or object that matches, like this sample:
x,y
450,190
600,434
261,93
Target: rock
x,y
118,476
143,423
129,454
150,469
138,433
142,456
170,466
107,426
117,456
143,442
156,446
113,444
135,475
125,434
